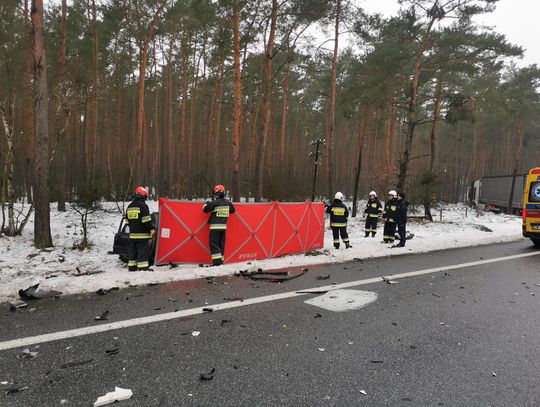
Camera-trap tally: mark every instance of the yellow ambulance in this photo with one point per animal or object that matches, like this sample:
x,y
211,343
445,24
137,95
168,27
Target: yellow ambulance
x,y
531,207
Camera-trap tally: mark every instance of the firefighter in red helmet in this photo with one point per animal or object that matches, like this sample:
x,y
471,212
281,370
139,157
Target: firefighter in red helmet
x,y
220,209
140,231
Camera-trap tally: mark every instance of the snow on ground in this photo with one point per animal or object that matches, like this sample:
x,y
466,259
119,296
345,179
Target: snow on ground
x,y
22,265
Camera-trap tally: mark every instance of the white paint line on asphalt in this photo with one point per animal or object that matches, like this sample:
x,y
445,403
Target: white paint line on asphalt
x,y
72,333
343,300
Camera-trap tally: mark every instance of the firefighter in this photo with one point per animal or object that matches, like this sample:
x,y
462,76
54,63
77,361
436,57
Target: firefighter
x,y
401,218
389,214
220,209
373,211
141,231
338,220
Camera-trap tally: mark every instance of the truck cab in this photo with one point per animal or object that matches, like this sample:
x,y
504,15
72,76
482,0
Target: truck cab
x,y
531,207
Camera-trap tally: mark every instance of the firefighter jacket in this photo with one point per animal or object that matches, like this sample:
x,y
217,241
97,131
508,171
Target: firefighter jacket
x,y
139,220
401,211
390,209
219,209
338,214
373,208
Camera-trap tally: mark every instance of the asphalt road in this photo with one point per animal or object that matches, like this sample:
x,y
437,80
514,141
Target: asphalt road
x,y
468,336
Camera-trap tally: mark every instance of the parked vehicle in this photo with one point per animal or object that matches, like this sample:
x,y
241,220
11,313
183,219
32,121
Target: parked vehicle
x,y
493,193
121,240
531,207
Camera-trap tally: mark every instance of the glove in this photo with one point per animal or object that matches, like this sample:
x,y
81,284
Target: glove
x,y
152,233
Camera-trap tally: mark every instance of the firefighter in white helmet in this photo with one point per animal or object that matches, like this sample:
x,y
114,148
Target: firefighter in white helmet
x,y
373,211
338,220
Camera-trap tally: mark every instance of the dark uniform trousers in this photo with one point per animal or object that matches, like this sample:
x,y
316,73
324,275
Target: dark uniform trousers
x,y
402,233
389,233
340,231
371,224
138,252
217,245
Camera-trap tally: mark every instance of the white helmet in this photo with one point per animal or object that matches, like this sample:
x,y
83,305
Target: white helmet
x,y
393,193
373,193
339,196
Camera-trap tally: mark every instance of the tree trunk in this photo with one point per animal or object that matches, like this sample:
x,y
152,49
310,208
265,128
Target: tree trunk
x,y
517,165
435,126
8,193
137,160
42,222
412,106
64,110
28,125
237,109
266,104
361,137
332,106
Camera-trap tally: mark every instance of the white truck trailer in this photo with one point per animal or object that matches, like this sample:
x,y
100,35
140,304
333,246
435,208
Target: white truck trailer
x,y
493,193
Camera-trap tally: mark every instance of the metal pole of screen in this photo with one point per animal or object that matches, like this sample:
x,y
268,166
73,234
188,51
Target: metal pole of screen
x,y
317,143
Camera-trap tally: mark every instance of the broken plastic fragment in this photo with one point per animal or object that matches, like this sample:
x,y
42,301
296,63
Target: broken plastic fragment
x,y
74,364
13,306
323,277
102,317
363,392
117,395
35,293
493,374
15,390
196,333
27,354
321,349
209,375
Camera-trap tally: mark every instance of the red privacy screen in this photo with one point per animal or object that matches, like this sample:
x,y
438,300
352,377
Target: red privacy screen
x,y
255,231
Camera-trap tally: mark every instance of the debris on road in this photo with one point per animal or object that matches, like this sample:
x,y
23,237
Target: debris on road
x,y
102,317
233,299
35,293
318,316
196,333
118,394
224,321
112,351
208,376
28,354
272,276
388,281
363,392
75,364
494,374
321,349
322,277
208,309
13,390
86,273
14,306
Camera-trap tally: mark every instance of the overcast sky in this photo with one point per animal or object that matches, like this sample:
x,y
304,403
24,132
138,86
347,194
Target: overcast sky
x,y
518,20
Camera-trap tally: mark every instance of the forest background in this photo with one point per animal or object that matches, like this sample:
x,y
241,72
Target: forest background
x,y
181,95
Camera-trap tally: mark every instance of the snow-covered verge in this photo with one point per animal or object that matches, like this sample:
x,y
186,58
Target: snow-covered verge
x,y
22,265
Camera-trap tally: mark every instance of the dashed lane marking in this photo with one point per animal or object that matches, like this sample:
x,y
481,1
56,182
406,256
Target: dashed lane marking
x,y
72,333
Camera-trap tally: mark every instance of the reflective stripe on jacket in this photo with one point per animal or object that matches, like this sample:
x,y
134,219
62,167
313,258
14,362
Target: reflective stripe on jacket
x,y
220,209
139,219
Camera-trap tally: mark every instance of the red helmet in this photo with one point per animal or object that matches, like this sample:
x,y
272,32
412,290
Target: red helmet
x,y
141,191
219,189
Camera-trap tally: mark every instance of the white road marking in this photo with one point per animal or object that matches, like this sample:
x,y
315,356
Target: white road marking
x,y
343,300
72,333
